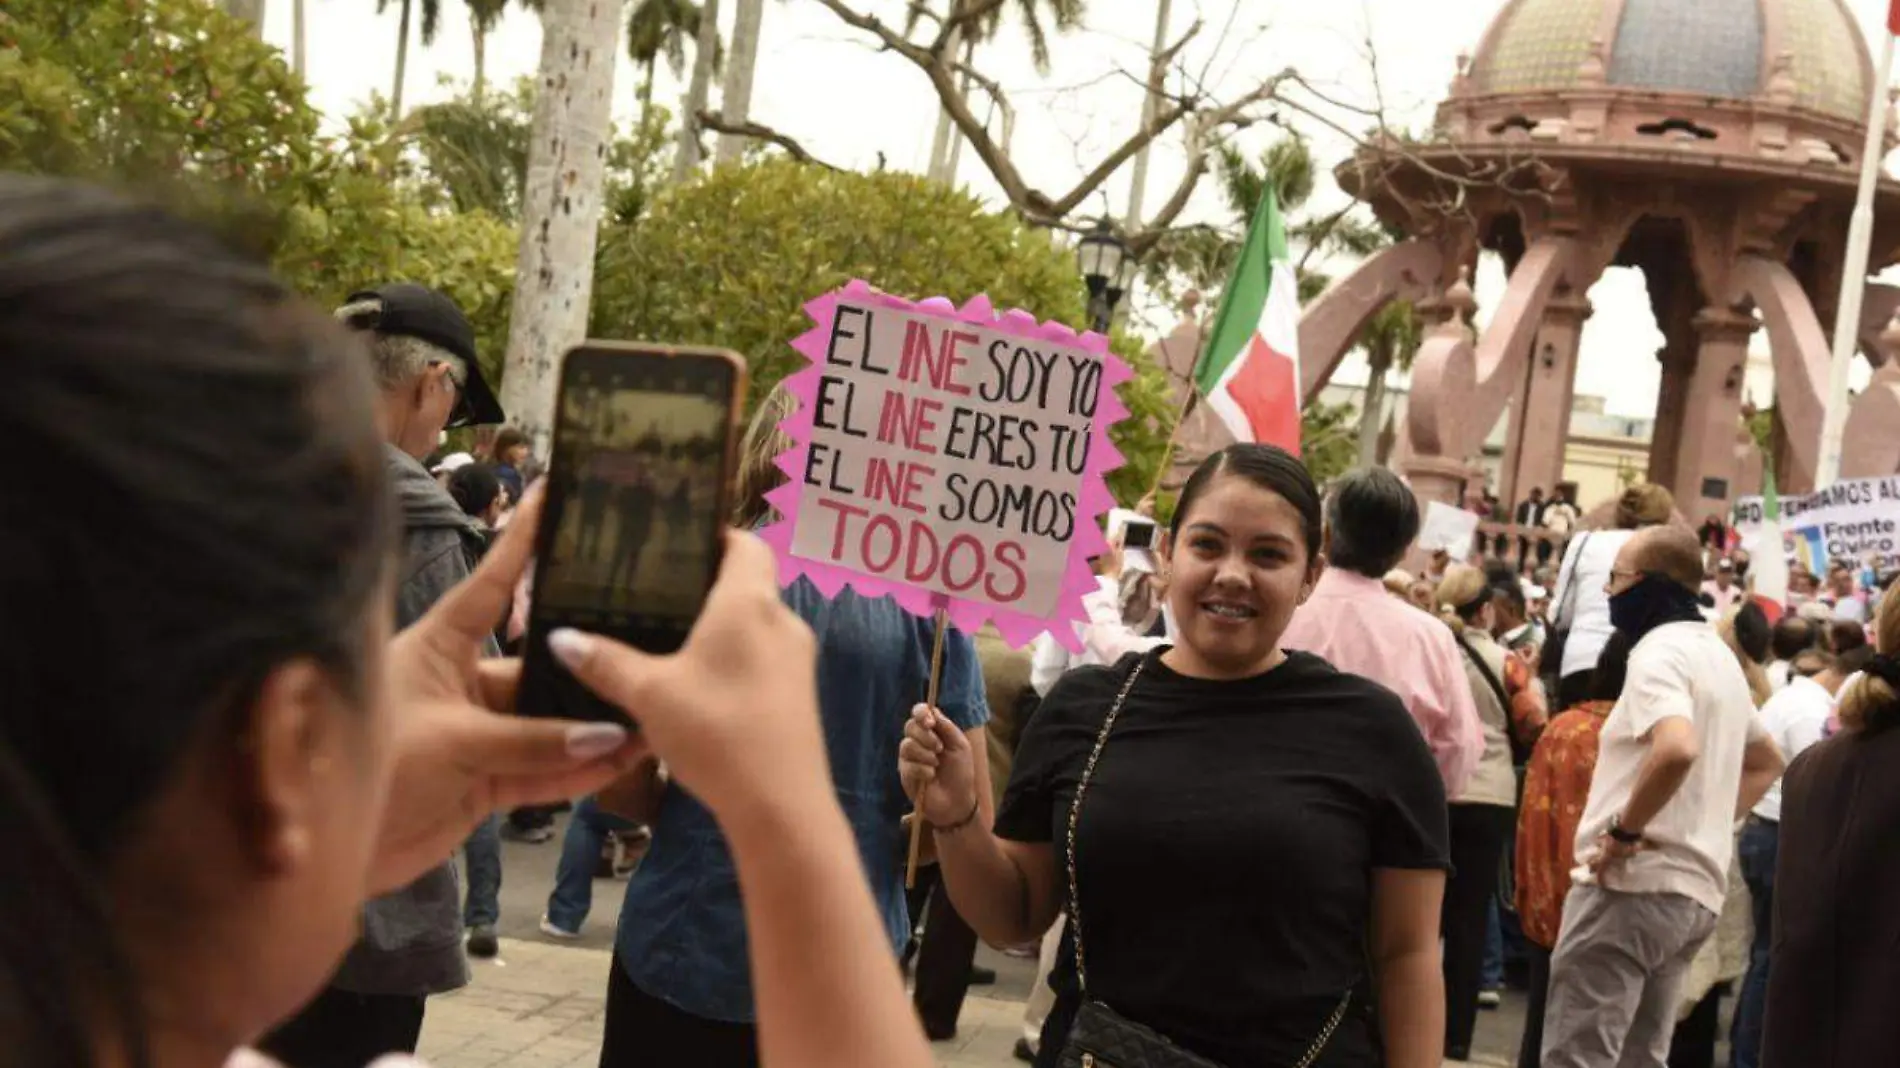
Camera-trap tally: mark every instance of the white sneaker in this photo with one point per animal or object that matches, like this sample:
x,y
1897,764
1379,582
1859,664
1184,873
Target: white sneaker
x,y
548,928
1489,999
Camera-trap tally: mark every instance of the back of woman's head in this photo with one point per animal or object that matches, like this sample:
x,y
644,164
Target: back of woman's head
x,y
1267,467
204,501
1873,702
758,473
1613,664
474,487
1644,505
1462,595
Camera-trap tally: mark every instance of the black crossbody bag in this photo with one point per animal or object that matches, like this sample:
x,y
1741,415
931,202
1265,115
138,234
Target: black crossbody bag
x,y
1100,1036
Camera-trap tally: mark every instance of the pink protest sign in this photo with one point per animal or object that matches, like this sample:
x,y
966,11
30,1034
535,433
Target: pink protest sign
x,y
951,458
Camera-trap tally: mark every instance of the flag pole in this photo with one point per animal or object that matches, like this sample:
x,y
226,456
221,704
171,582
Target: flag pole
x,y
1860,236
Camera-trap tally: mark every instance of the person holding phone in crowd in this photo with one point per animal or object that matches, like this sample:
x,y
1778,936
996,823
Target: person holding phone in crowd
x,y
680,992
213,749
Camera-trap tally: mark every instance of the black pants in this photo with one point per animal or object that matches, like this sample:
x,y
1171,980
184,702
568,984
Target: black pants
x,y
643,1031
1693,1044
344,1030
1531,1053
1477,846
944,957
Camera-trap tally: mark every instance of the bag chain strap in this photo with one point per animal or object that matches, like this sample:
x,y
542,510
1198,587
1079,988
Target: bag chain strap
x,y
1075,885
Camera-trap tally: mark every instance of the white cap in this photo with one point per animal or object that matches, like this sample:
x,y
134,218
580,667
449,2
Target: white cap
x,y
1534,592
452,462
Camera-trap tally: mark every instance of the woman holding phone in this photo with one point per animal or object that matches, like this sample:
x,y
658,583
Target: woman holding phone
x,y
1249,844
680,992
212,750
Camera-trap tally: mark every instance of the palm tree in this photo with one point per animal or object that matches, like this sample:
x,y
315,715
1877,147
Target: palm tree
x,y
483,17
735,98
1390,341
705,54
431,22
657,28
1066,14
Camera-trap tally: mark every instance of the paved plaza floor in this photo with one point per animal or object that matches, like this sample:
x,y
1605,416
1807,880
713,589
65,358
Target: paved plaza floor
x,y
540,1003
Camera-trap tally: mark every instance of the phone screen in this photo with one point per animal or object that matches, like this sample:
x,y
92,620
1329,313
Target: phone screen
x,y
630,538
1139,534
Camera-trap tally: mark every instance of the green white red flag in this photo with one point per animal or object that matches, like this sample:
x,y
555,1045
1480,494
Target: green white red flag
x,y
1250,373
1768,560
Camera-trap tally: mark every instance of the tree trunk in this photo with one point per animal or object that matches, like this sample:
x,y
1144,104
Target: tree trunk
x,y
646,99
402,62
480,85
951,164
1372,411
561,210
735,99
687,159
1138,184
251,11
296,37
946,129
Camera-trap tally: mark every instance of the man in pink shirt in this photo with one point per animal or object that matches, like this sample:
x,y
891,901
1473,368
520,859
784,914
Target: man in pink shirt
x,y
1355,625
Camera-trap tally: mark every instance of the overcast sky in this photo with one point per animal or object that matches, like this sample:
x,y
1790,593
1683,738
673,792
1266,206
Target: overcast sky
x,y
823,83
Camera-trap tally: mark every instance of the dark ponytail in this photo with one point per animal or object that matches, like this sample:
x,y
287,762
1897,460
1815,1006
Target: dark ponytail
x,y
201,498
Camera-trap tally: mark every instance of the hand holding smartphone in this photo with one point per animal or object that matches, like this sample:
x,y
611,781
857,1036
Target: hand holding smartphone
x,y
637,504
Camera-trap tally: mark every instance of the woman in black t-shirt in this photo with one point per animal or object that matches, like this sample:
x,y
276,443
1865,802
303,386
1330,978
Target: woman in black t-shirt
x,y
1262,839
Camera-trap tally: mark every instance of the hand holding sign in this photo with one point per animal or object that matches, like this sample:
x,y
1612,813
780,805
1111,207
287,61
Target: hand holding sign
x,y
950,458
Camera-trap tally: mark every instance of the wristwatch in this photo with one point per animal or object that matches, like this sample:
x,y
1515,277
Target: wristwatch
x,y
1620,834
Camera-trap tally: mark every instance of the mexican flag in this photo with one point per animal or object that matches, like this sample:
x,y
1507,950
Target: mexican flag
x,y
1250,373
1768,557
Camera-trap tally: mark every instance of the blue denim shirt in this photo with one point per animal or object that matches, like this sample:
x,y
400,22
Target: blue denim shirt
x,y
682,934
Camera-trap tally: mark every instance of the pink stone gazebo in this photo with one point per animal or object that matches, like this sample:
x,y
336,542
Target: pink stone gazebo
x,y
1710,143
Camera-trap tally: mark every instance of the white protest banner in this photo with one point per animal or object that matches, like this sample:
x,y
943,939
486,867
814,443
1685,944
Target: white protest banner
x,y
1448,528
951,458
1856,520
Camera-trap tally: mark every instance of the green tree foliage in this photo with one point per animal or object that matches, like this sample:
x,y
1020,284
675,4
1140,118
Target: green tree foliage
x,y
201,112
731,259
173,97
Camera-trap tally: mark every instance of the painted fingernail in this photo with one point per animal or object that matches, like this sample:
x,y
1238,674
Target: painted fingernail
x,y
570,646
585,741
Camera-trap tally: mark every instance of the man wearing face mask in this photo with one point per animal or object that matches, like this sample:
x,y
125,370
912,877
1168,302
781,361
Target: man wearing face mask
x,y
422,352
1681,757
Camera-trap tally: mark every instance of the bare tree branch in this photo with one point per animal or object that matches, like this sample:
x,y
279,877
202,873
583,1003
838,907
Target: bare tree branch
x,y
712,120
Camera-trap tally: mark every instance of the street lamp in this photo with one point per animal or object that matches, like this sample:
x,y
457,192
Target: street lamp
x,y
1108,270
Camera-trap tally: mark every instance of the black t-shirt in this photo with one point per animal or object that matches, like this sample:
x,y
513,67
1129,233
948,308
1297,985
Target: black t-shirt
x,y
1227,844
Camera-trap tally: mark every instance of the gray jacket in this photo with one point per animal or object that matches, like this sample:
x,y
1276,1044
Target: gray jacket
x,y
412,939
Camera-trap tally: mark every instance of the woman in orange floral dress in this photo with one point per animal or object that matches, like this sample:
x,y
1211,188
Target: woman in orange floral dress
x,y
1556,785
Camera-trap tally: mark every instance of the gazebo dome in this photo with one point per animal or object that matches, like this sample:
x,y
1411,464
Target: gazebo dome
x,y
1718,49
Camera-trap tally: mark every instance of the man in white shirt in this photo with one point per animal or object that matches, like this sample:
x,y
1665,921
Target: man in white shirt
x,y
1680,758
1795,718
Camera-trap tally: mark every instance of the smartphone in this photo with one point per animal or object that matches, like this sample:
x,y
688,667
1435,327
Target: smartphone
x,y
639,485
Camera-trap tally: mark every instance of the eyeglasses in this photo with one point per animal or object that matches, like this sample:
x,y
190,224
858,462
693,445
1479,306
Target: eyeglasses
x,y
459,414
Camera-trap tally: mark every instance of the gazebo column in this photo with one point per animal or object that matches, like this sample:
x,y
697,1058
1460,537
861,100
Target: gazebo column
x,y
1540,415
1711,410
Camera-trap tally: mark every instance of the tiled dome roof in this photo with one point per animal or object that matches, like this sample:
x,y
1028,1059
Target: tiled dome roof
x,y
1716,48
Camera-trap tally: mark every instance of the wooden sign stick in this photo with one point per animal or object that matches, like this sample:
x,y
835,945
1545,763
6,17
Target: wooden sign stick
x,y
917,813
